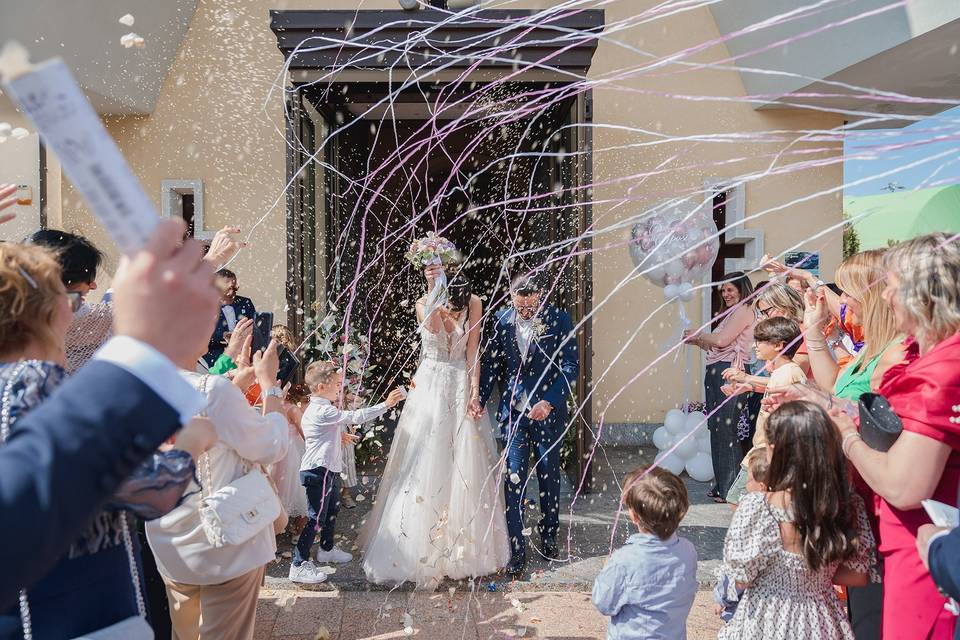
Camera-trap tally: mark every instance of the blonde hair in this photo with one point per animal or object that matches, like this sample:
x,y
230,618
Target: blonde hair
x,y
30,289
320,372
929,271
862,277
282,334
783,297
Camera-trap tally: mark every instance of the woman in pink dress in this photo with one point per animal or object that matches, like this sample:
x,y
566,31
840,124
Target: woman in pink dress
x,y
923,288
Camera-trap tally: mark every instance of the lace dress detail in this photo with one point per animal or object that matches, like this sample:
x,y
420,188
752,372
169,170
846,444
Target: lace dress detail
x,y
785,599
439,510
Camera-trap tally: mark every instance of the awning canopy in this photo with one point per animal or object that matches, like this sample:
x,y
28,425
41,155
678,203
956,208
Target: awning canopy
x,y
436,45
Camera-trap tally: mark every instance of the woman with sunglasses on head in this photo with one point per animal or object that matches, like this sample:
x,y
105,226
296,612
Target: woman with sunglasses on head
x,y
97,583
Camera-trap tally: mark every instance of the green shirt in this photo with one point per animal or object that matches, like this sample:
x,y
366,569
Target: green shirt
x,y
223,364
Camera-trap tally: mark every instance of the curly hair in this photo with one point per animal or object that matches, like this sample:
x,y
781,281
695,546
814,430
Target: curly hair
x,y
30,289
928,268
862,277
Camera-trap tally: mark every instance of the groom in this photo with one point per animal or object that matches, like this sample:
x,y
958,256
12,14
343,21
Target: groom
x,y
532,358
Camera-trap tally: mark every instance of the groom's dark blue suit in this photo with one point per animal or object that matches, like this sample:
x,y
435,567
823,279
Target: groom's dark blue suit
x,y
547,372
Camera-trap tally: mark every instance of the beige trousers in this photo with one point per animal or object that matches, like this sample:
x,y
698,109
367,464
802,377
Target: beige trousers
x,y
226,611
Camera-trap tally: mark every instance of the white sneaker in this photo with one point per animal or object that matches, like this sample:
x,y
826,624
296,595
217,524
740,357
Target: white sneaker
x,y
335,556
307,573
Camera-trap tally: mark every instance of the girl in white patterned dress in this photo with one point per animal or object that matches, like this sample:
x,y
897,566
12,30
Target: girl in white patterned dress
x,y
789,546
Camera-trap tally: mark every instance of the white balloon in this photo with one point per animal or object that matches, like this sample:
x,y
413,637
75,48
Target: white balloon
x,y
661,437
704,446
700,467
687,448
675,269
672,463
696,420
657,275
674,421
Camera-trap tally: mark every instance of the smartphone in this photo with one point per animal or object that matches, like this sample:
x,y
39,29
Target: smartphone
x,y
262,325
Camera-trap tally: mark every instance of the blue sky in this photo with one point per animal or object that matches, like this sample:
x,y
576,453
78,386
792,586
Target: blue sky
x,y
920,138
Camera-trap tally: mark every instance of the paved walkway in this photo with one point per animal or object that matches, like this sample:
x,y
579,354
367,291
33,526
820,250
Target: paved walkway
x,y
550,601
331,615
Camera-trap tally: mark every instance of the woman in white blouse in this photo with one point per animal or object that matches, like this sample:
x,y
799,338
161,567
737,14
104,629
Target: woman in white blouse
x,y
213,591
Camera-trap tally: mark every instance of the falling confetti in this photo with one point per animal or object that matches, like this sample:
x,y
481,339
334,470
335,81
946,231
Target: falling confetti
x,y
132,40
19,133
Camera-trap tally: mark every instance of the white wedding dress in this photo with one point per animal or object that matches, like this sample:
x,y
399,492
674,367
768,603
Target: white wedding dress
x,y
439,511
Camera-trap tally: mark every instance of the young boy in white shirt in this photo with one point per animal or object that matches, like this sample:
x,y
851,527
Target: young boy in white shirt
x,y
326,430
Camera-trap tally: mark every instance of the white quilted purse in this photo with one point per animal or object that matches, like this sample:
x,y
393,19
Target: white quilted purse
x,y
236,512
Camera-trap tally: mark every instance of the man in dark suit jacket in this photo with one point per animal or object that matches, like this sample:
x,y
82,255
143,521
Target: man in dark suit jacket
x,y
532,357
232,308
71,453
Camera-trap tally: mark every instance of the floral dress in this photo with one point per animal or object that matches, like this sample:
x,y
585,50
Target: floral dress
x,y
785,599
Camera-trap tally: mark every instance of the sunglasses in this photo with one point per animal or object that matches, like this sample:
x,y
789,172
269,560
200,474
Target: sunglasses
x,y
76,300
764,312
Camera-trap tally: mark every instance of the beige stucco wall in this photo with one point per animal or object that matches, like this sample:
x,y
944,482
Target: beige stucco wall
x,y
211,123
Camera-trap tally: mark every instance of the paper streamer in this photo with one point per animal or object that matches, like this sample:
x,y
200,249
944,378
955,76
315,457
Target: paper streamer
x,y
50,96
438,296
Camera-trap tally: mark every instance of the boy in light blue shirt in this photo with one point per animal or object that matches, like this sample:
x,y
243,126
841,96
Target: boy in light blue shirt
x,y
648,585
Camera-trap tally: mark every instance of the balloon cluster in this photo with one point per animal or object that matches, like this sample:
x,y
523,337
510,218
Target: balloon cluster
x,y
688,239
693,454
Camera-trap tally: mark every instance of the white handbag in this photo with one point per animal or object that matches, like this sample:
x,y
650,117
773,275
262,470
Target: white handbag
x,y
236,512
132,628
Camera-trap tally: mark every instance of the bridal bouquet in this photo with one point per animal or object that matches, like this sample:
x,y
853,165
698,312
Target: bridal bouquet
x,y
433,250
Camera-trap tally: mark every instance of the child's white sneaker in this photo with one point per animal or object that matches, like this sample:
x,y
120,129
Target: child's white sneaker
x,y
335,556
307,573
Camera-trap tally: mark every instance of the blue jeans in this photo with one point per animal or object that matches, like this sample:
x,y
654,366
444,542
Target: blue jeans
x,y
323,505
546,438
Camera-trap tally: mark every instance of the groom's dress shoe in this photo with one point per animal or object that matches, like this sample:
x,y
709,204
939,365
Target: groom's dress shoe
x,y
550,550
516,567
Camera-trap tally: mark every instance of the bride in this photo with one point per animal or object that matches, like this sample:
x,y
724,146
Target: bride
x,y
439,511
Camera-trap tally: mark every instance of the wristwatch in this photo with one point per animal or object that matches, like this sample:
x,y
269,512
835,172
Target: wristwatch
x,y
273,392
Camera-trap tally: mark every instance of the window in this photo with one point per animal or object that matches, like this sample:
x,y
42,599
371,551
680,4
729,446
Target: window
x,y
184,199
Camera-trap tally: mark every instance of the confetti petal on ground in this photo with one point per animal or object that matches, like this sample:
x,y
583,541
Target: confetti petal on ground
x,y
126,20
322,634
